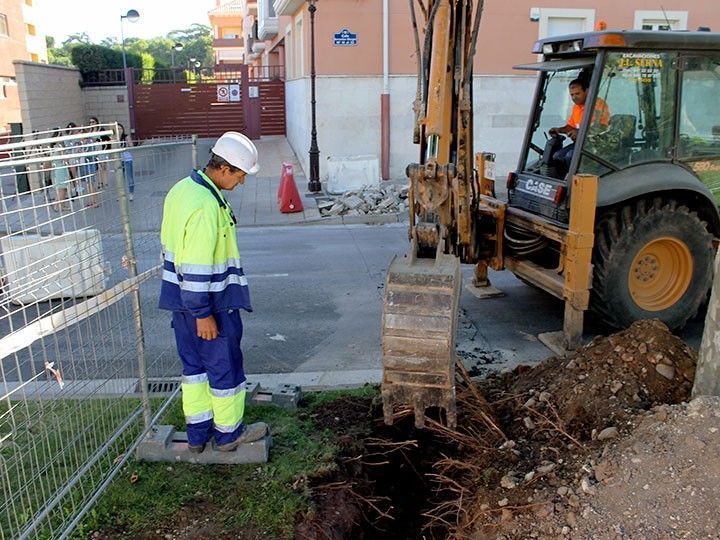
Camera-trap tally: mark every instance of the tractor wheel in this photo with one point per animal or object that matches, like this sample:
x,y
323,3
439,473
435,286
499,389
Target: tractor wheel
x,y
652,260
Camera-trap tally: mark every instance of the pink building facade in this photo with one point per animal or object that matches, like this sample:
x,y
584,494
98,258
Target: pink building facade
x,y
365,49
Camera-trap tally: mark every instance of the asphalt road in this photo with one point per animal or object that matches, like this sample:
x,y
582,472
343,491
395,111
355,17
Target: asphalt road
x,y
317,298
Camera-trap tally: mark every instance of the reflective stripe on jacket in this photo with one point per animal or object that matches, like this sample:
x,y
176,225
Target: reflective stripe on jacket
x,y
202,270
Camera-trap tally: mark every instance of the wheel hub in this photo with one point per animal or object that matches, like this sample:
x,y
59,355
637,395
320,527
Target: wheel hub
x,y
647,268
660,274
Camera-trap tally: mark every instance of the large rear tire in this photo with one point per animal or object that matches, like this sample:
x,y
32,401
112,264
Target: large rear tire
x,y
652,260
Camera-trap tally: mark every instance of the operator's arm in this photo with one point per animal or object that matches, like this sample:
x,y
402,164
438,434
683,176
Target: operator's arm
x,y
567,129
196,269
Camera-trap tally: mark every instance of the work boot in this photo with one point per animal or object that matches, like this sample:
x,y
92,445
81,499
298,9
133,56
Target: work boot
x,y
196,448
251,433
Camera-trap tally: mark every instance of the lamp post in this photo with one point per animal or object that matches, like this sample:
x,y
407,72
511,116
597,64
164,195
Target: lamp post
x,y
177,47
314,183
132,15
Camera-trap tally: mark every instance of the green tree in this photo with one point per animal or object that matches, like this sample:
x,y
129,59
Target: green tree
x,y
154,53
58,55
81,37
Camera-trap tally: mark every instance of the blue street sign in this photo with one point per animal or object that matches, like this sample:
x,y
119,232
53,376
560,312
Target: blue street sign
x,y
345,38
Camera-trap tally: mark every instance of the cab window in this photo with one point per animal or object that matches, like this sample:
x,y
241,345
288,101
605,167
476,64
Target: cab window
x,y
699,124
639,90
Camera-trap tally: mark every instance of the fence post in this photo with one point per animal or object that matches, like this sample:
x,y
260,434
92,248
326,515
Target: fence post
x,y
707,375
194,152
131,263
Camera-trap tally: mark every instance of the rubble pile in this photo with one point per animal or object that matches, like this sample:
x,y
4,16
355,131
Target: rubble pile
x,y
385,199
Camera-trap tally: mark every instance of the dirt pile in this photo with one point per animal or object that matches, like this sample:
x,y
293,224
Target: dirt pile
x,y
558,419
663,481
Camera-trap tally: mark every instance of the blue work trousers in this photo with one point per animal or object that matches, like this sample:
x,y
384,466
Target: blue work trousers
x,y
220,363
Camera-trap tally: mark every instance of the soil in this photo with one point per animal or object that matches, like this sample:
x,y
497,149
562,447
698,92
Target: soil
x,y
601,445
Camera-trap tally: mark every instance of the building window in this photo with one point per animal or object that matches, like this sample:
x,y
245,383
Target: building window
x,y
661,20
231,32
30,29
3,25
29,3
557,22
34,57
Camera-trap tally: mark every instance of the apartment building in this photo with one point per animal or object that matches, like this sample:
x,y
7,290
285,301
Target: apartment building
x,y
20,39
357,63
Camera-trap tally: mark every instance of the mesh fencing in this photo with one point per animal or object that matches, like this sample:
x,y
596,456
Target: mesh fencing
x,y
81,339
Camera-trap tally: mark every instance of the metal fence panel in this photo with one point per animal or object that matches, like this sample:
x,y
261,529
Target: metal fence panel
x,y
80,335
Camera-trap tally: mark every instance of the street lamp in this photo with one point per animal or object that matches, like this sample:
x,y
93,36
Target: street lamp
x,y
314,183
177,47
132,15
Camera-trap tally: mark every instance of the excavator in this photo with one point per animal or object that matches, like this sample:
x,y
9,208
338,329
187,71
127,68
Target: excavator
x,y
628,230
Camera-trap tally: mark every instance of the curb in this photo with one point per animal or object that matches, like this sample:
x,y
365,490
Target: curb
x,y
373,219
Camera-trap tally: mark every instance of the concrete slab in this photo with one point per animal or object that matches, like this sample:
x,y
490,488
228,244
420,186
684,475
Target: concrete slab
x,y
554,342
164,444
484,292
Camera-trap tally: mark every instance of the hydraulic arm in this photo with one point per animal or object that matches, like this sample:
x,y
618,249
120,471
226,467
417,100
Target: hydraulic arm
x,y
422,289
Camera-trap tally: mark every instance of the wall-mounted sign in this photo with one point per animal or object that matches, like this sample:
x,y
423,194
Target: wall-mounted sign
x,y
253,91
234,92
223,92
345,38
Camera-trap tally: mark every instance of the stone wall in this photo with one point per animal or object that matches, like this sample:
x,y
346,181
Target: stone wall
x,y
107,103
50,96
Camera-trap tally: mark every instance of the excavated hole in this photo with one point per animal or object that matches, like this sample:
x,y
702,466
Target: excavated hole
x,y
381,486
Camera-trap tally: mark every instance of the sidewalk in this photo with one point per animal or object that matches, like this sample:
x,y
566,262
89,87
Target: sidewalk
x,y
255,203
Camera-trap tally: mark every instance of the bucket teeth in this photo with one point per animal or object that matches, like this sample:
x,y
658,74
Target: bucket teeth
x,y
418,336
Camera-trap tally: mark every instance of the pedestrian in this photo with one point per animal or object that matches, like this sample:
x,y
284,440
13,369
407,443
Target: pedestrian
x,y
204,286
72,148
89,165
127,160
61,176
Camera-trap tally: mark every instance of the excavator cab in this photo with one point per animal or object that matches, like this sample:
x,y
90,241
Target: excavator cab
x,y
650,135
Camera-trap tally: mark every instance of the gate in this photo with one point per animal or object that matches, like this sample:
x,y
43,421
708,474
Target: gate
x,y
208,101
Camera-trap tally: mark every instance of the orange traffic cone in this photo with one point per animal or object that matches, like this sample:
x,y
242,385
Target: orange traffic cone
x,y
289,197
287,170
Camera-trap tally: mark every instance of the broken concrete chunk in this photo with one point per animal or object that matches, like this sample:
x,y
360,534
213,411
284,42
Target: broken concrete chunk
x,y
608,433
666,371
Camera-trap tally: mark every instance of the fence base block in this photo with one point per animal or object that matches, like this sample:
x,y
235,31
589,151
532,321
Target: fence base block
x,y
286,396
164,444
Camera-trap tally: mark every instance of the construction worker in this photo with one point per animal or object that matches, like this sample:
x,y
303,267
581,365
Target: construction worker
x,y
578,89
204,286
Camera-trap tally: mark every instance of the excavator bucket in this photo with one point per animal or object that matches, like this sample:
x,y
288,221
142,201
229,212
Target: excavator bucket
x,y
418,336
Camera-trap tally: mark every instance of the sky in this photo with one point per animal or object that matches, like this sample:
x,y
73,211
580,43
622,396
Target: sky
x,y
101,18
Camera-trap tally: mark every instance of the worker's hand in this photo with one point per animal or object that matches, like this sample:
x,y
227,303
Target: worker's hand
x,y
207,328
573,133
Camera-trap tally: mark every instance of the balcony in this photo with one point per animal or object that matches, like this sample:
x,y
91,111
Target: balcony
x,y
228,42
258,47
267,20
287,7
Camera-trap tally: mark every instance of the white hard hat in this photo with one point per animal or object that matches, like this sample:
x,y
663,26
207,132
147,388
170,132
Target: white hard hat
x,y
238,151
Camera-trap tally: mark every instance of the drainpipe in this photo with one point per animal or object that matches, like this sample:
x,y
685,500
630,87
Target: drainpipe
x,y
385,97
